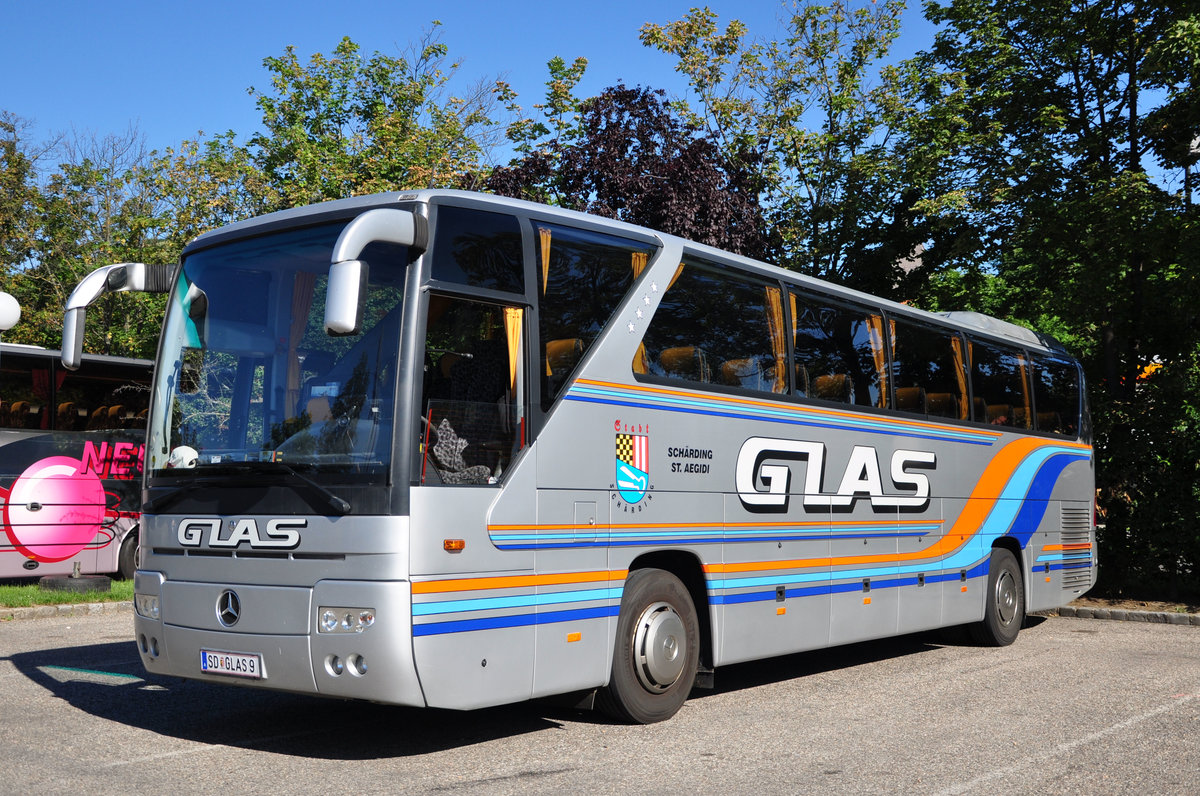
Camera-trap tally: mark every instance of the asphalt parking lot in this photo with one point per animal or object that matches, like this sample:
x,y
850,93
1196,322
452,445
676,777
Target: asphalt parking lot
x,y
1075,706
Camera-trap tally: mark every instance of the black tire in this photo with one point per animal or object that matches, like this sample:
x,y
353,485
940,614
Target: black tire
x,y
1004,612
127,558
657,649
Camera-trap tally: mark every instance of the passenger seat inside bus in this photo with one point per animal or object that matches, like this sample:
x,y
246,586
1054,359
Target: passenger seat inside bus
x,y
832,387
941,404
911,399
685,362
746,372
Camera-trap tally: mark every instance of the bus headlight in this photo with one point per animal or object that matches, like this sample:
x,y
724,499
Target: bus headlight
x,y
332,619
146,605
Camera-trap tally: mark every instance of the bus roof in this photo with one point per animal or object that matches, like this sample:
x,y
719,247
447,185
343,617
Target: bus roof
x,y
48,353
974,322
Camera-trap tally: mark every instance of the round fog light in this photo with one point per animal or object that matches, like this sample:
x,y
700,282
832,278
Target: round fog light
x,y
334,665
359,665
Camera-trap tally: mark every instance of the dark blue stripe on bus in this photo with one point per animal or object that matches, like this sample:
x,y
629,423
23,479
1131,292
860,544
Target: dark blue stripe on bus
x,y
1037,499
517,620
562,545
976,571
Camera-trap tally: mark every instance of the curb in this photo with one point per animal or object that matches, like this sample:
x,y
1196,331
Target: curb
x,y
1123,615
73,609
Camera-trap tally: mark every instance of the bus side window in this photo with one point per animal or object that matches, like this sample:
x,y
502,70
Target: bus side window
x,y
1000,385
718,327
1056,395
584,277
928,370
477,248
839,354
472,409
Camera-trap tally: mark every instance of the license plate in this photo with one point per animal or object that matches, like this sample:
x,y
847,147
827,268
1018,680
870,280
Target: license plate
x,y
235,664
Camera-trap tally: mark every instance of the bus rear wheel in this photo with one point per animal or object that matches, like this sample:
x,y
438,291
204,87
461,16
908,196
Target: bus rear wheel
x,y
1005,610
656,652
127,558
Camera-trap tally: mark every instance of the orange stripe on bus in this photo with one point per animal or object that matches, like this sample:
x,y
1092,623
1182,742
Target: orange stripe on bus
x,y
983,498
514,581
775,406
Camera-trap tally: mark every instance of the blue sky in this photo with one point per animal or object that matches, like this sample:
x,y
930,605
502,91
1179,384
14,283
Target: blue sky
x,y
174,69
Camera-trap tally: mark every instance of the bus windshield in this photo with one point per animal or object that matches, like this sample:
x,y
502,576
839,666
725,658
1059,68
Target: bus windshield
x,y
250,381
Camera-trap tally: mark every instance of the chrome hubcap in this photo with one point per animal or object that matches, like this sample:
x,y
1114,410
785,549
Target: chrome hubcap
x,y
659,647
1006,598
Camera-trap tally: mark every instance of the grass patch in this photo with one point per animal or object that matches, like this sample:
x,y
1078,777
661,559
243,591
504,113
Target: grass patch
x,y
27,593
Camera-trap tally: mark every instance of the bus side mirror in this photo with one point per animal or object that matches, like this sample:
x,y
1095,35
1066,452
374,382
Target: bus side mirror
x,y
136,277
347,287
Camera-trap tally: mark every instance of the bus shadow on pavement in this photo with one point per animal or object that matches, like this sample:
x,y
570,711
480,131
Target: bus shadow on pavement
x,y
741,676
107,681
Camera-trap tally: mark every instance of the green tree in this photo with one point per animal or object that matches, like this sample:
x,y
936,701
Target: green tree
x,y
346,125
1066,106
18,193
835,138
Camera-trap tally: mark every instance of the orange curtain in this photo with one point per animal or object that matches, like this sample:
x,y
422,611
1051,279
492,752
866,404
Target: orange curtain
x,y
960,373
778,341
1025,391
639,263
875,330
641,362
512,326
544,238
675,278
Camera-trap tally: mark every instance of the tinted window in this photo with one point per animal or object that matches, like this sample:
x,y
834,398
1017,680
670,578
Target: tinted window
x,y
839,352
472,247
928,371
584,276
999,384
717,327
1056,391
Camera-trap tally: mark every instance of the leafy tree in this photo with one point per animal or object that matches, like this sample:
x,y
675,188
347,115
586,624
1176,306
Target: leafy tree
x,y
18,193
629,157
834,140
344,125
1064,105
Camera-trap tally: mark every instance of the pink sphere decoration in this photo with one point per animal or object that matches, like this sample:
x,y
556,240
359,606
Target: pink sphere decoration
x,y
70,505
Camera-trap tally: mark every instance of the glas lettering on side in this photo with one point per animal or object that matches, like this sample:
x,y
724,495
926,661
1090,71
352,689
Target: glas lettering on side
x,y
769,462
276,534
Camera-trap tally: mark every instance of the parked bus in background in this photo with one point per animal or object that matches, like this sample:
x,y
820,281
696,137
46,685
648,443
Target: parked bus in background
x,y
71,446
454,450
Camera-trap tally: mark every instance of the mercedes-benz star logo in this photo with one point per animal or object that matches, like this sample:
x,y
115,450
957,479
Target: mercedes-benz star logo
x,y
229,608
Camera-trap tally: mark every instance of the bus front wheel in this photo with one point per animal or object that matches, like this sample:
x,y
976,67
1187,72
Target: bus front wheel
x,y
656,652
1005,610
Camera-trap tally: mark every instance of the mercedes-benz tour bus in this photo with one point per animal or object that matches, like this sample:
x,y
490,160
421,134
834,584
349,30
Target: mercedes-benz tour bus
x,y
454,450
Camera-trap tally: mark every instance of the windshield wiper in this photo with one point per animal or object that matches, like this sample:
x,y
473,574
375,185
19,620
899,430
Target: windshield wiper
x,y
187,487
337,504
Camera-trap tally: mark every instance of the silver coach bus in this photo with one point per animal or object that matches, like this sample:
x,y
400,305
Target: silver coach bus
x,y
453,450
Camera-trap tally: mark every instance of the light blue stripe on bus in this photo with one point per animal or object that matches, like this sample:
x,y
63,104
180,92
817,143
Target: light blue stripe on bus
x,y
516,601
1012,497
518,620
